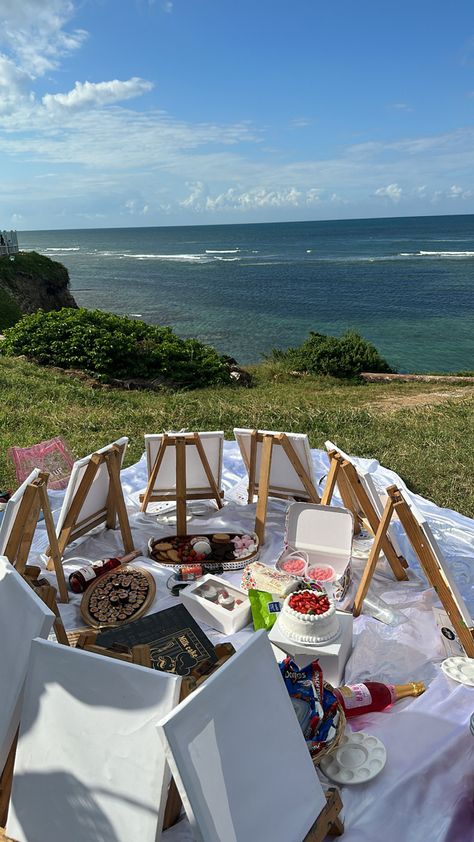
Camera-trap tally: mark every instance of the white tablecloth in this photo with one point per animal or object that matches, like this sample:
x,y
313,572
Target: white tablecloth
x,y
426,790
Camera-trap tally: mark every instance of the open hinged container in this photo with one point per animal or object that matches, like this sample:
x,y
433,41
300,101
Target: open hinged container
x,y
325,534
211,612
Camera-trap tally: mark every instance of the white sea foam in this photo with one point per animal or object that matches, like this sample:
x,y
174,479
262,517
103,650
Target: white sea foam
x,y
222,251
72,248
437,254
227,259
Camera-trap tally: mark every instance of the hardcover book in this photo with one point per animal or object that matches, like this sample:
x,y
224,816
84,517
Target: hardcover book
x,y
177,644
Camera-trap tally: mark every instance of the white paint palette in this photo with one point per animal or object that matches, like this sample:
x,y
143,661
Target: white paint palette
x,y
459,669
359,758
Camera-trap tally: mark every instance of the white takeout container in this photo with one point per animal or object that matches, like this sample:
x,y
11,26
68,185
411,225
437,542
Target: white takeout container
x,y
212,613
325,534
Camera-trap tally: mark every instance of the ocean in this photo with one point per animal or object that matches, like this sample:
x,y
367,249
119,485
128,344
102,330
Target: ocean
x,y
407,284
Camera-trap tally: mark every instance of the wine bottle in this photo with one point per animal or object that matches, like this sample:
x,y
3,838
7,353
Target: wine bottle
x,y
82,578
356,699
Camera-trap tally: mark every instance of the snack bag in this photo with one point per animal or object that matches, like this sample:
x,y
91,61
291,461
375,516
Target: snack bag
x,y
307,685
265,609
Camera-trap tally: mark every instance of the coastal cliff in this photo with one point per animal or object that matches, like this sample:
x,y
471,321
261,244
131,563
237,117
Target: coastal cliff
x,y
32,282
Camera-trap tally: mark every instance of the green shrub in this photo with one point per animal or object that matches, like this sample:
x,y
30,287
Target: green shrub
x,y
114,346
10,312
345,357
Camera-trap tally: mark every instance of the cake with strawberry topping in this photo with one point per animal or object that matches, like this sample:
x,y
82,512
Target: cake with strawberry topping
x,y
309,617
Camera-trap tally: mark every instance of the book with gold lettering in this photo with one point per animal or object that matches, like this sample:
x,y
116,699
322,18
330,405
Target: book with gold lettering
x,y
177,644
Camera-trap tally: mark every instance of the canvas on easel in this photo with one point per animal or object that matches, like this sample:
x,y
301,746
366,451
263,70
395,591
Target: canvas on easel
x,y
19,524
278,465
360,495
23,616
221,747
89,764
182,467
431,560
94,496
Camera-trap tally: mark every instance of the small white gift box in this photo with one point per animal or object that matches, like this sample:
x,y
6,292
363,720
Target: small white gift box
x,y
225,619
325,534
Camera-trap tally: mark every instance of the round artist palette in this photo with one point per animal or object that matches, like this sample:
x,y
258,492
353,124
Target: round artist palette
x,y
358,758
460,669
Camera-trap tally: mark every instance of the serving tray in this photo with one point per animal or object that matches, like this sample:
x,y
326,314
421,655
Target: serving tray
x,y
164,551
107,602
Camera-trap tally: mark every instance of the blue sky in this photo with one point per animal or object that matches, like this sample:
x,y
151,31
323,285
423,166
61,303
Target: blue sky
x,y
176,112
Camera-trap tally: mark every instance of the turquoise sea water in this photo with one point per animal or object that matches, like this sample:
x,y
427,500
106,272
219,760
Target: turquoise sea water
x,y
407,284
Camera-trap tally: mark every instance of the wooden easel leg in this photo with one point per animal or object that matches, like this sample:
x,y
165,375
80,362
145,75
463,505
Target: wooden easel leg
x,y
29,527
55,555
113,468
349,499
433,570
14,542
48,594
154,472
207,470
328,822
374,554
180,445
252,465
299,468
263,487
331,481
6,781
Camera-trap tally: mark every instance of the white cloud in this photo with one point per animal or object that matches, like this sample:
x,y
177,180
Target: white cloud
x,y
392,192
300,123
98,93
33,32
400,106
136,208
456,192
168,6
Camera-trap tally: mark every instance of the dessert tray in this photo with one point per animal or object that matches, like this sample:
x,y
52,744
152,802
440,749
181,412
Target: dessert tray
x,y
459,669
118,597
358,758
228,551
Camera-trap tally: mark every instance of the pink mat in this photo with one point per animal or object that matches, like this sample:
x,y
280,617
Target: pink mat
x,y
52,456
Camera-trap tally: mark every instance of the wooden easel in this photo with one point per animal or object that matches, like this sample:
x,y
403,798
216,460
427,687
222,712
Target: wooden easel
x,y
114,509
47,593
180,442
17,550
354,496
396,504
261,487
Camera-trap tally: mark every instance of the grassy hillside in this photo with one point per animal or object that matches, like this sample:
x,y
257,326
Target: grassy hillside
x,y
424,431
9,310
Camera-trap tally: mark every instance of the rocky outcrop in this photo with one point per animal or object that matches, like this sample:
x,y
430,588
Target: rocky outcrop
x,y
35,282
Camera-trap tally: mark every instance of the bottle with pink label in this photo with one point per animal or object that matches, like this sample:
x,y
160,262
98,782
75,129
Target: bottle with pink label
x,y
356,699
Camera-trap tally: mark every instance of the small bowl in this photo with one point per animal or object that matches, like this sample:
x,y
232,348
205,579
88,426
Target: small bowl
x,y
326,573
297,571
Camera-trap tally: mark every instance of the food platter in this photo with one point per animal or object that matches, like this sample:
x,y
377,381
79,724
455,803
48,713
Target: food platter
x,y
118,597
227,551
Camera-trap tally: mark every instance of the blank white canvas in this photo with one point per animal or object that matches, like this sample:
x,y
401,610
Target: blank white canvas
x,y
371,491
440,559
196,479
96,500
283,477
89,764
23,616
238,755
11,509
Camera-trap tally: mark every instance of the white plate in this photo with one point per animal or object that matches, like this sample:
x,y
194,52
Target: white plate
x,y
358,758
460,669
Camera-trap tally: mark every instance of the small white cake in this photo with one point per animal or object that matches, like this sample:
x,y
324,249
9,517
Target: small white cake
x,y
310,618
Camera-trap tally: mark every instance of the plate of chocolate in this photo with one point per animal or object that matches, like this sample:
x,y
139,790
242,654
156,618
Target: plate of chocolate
x,y
118,597
217,552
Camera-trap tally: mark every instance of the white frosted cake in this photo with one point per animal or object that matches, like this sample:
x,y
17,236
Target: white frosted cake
x,y
308,617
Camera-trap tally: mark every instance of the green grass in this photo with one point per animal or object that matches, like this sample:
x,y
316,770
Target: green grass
x,y
430,446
